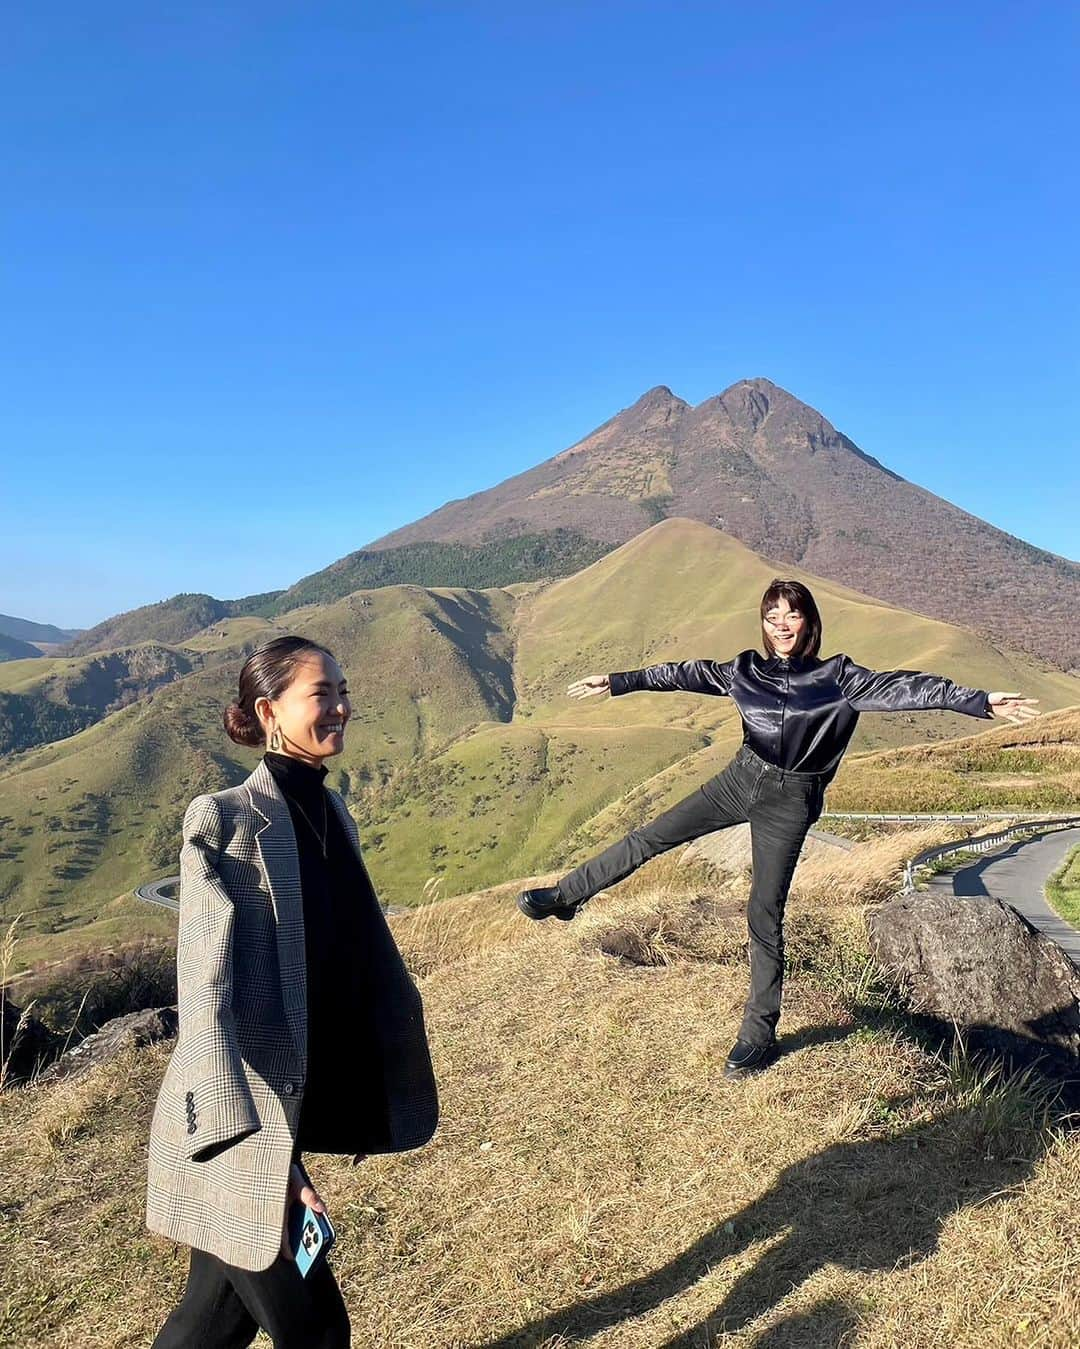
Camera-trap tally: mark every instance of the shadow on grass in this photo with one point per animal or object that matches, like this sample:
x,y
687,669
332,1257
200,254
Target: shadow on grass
x,y
867,1205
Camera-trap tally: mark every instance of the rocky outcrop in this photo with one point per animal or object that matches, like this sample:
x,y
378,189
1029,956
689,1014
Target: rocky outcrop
x,y
979,965
124,1032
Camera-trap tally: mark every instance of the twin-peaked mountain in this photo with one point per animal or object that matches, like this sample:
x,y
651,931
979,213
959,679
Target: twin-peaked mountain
x,y
754,463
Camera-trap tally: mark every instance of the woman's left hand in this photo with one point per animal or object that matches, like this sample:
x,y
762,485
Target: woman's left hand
x,y
1012,707
300,1192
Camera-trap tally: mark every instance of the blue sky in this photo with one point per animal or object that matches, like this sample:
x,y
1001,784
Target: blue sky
x,y
277,278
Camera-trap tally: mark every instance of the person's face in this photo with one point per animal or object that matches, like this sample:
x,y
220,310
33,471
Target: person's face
x,y
312,712
785,627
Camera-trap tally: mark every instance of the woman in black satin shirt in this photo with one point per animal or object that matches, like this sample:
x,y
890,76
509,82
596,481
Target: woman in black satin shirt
x,y
798,713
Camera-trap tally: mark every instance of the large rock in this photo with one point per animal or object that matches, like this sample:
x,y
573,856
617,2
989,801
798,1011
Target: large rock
x,y
123,1032
980,965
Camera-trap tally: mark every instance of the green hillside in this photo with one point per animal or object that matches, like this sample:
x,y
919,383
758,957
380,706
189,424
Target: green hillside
x,y
171,621
86,818
464,758
683,590
52,697
496,564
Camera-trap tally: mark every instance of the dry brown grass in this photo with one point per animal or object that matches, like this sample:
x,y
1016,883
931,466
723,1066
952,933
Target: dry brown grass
x,y
594,1178
867,873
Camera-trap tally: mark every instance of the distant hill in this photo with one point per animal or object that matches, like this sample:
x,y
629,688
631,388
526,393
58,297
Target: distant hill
x,y
51,698
502,562
28,631
759,464
464,757
11,648
169,621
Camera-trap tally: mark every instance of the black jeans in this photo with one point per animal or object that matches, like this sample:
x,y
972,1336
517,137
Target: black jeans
x,y
224,1307
780,808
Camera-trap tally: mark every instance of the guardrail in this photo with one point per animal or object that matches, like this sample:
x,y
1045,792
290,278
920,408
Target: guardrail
x,y
986,843
962,816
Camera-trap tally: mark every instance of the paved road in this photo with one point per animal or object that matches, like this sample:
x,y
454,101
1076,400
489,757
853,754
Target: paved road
x,y
154,892
1017,873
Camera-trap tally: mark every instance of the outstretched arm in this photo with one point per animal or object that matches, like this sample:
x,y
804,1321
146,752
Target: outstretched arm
x,y
690,676
911,691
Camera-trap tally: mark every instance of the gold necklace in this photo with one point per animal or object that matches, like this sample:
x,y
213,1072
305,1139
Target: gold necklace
x,y
325,819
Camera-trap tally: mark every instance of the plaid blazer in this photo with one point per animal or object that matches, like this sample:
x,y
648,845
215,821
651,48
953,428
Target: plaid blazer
x,y
225,1121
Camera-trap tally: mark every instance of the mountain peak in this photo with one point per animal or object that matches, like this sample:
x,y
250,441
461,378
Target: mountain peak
x,y
658,395
657,403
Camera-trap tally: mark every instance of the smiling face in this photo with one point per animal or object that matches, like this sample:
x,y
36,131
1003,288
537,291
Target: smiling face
x,y
783,626
312,711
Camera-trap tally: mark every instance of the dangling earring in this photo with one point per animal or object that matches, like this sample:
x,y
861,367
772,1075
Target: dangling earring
x,y
275,740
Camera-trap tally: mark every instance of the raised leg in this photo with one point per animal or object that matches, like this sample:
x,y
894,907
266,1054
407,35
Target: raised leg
x,y
715,806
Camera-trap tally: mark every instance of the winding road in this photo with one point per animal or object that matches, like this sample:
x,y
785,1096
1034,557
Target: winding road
x,y
1016,874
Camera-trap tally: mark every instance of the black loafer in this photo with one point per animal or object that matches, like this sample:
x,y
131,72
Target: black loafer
x,y
746,1059
546,903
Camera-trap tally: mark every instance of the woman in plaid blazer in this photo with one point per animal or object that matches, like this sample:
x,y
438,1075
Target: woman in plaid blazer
x,y
299,1024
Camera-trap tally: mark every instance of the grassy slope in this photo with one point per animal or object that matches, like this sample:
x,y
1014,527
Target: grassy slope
x,y
87,818
678,591
441,778
1036,767
11,648
1063,888
593,1178
169,620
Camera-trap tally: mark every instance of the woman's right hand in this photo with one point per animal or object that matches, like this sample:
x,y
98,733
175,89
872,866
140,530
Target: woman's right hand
x,y
300,1192
589,687
1012,707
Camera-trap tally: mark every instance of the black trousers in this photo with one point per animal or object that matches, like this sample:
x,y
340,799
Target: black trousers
x,y
780,808
225,1307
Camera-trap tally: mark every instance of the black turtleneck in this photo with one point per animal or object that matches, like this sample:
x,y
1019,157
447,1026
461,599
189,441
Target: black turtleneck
x,y
343,1057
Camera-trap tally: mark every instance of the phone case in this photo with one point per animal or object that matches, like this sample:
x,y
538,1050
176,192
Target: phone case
x,y
311,1235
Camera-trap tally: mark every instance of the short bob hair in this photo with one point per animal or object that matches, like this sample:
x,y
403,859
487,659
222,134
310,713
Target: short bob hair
x,y
798,597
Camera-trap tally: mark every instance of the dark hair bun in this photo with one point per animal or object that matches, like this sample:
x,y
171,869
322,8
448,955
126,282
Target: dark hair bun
x,y
241,727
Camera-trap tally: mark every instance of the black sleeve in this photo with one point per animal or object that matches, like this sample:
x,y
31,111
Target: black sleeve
x,y
907,691
689,676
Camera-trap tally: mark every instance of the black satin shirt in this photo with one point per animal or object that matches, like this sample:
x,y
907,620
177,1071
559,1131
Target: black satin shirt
x,y
799,713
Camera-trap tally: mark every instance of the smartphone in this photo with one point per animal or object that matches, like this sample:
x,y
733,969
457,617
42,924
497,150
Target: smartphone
x,y
311,1235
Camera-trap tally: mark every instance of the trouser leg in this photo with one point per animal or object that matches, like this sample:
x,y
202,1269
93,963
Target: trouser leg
x,y
296,1313
715,806
225,1306
210,1315
776,841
